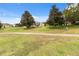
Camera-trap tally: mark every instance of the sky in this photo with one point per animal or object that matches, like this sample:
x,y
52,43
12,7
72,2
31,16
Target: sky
x,y
12,12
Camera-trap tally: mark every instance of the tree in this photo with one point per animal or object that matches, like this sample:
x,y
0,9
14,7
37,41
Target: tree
x,y
71,14
18,25
55,16
1,25
27,19
76,13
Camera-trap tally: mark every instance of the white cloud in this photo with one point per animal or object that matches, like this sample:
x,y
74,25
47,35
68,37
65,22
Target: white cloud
x,y
7,16
40,18
7,13
9,20
14,20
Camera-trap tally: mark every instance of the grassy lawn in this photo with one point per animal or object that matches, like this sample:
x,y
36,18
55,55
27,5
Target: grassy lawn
x,y
74,29
23,45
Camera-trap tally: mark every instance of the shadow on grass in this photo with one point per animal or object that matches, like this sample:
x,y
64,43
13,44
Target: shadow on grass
x,y
56,27
27,48
28,28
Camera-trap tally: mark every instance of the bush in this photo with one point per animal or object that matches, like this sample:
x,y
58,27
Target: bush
x,y
18,25
1,25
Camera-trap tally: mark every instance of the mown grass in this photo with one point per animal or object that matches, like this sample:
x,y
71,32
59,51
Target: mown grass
x,y
31,45
73,29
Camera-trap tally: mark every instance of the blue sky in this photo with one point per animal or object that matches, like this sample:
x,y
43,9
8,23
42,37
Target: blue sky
x,y
11,12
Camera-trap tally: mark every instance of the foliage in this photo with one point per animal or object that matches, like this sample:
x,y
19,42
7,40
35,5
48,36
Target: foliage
x,y
1,25
27,20
18,25
69,15
72,14
55,16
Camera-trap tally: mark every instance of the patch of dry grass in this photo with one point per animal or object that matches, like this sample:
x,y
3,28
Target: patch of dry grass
x,y
35,45
71,29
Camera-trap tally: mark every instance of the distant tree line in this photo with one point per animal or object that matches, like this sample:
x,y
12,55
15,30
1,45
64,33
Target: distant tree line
x,y
55,18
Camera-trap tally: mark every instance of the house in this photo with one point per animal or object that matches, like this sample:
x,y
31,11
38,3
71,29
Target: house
x,y
7,25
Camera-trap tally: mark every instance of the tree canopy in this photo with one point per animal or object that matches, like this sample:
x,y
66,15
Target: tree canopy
x,y
1,25
27,19
55,16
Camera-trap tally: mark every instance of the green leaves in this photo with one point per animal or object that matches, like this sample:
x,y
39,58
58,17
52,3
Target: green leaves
x,y
55,16
27,19
1,25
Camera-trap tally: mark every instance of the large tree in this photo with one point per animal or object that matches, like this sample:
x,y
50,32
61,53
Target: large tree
x,y
55,16
27,19
76,13
1,25
72,14
69,15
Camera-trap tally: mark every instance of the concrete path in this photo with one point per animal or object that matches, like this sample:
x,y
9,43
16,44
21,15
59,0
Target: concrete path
x,y
48,34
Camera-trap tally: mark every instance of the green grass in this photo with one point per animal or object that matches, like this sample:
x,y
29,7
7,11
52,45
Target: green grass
x,y
73,29
31,45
